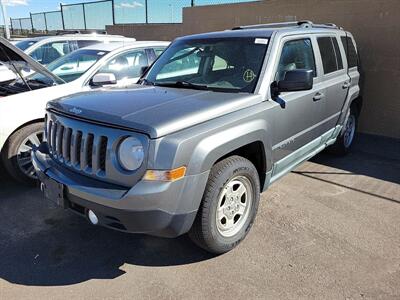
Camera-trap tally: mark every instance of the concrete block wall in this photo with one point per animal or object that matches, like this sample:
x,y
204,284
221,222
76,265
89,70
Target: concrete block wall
x,y
374,23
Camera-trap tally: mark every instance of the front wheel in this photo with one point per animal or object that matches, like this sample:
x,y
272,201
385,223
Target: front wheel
x,y
229,205
17,152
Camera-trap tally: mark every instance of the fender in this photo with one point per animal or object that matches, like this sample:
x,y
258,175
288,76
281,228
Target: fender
x,y
217,145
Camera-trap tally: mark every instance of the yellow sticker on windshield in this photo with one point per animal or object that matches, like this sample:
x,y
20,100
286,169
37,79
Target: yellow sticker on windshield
x,y
249,75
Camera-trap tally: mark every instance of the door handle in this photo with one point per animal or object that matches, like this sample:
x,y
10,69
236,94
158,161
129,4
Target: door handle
x,y
346,85
318,96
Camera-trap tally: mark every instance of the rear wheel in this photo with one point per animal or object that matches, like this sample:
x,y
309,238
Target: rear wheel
x,y
228,207
345,140
16,154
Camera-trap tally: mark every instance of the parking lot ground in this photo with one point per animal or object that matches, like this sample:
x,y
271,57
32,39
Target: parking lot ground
x,y
328,230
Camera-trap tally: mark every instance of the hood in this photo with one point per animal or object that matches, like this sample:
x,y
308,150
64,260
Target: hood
x,y
10,54
156,111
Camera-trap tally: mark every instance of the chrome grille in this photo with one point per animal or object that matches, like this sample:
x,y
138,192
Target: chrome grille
x,y
82,151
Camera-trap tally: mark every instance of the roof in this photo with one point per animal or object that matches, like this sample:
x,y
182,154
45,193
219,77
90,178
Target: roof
x,y
62,37
129,44
265,30
231,34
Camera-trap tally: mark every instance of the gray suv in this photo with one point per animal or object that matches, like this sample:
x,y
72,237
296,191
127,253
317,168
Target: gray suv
x,y
211,124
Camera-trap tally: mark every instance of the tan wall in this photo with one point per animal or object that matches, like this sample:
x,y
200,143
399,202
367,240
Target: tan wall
x,y
374,23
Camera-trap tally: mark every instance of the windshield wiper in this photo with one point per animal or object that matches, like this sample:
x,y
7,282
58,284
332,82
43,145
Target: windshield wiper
x,y
183,84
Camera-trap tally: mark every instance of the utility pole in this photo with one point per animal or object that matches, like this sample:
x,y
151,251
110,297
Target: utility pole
x,y
5,19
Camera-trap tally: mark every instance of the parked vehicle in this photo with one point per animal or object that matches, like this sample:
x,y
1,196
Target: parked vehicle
x,y
217,119
46,49
24,99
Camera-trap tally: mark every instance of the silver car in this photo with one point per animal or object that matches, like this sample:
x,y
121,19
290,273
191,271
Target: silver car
x,y
214,122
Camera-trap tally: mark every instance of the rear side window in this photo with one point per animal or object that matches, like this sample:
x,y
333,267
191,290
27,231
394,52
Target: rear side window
x,y
330,54
350,50
296,54
338,54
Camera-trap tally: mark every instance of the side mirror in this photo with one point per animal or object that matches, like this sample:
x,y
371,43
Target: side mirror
x,y
6,75
296,80
101,79
143,70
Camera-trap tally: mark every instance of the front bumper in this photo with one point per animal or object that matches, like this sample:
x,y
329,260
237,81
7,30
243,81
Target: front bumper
x,y
164,209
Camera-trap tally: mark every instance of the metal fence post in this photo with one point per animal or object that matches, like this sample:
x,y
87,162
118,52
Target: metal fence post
x,y
62,16
11,27
33,30
84,15
113,11
20,26
146,11
45,22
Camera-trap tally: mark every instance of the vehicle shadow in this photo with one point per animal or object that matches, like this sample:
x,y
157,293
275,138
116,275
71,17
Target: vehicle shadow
x,y
372,156
371,168
42,245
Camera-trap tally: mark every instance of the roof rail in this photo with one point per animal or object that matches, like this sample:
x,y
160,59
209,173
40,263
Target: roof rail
x,y
79,31
301,24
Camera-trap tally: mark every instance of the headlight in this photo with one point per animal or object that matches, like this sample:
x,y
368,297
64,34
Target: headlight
x,y
131,154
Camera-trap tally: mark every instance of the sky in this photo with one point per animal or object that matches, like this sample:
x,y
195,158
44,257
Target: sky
x,y
126,11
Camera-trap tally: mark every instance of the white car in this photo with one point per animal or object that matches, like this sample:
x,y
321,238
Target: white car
x,y
24,94
46,49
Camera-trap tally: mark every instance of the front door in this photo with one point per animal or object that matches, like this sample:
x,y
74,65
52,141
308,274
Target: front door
x,y
296,127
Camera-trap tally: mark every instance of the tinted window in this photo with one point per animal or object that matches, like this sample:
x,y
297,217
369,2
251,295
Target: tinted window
x,y
297,54
350,50
82,44
25,44
158,51
49,52
338,54
328,49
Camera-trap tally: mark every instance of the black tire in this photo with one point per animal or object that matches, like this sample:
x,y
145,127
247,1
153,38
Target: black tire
x,y
341,147
204,231
10,152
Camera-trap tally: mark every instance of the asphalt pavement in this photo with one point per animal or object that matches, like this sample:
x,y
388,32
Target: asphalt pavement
x,y
328,230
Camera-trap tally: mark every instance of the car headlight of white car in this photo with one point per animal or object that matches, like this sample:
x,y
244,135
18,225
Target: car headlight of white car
x,y
131,153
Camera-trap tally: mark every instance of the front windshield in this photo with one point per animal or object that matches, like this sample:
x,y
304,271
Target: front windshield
x,y
25,44
74,65
219,64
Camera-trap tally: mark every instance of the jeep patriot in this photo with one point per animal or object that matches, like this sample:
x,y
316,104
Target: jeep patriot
x,y
210,125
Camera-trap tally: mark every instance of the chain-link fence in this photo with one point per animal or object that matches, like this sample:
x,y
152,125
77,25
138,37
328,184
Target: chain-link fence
x,y
97,14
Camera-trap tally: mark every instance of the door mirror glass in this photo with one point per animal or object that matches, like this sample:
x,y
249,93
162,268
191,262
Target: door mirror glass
x,y
101,79
296,80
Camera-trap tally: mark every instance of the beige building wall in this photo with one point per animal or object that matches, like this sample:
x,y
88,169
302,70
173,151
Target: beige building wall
x,y
374,23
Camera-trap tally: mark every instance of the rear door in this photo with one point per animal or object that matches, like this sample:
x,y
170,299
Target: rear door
x,y
334,77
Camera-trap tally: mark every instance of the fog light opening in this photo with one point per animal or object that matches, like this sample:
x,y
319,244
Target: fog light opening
x,y
92,217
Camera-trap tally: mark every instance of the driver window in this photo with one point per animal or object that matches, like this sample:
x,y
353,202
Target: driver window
x,y
127,65
296,54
